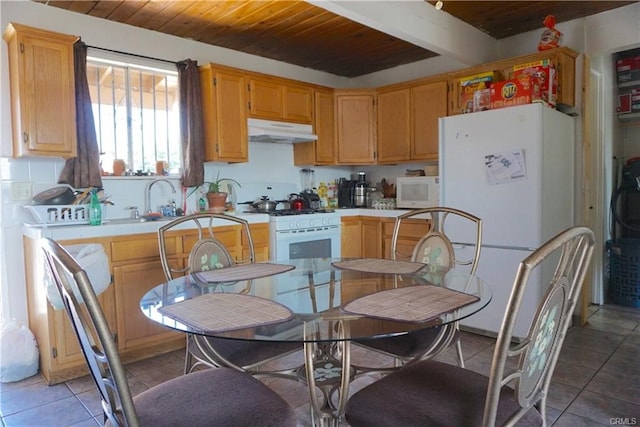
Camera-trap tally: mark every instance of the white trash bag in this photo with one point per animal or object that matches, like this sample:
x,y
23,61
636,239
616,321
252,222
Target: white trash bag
x,y
93,259
18,352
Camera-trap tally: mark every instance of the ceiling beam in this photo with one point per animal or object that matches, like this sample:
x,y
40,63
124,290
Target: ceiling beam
x,y
418,22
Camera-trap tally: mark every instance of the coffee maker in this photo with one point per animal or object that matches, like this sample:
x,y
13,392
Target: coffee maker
x,y
346,191
360,191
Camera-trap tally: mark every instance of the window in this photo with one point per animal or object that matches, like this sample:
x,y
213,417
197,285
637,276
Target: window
x,y
136,114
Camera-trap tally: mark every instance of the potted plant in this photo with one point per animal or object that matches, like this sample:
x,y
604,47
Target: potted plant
x,y
217,199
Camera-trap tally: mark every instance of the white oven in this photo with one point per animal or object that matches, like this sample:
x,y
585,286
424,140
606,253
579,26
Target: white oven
x,y
314,235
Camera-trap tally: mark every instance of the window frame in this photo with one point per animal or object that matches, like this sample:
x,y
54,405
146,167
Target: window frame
x,y
133,62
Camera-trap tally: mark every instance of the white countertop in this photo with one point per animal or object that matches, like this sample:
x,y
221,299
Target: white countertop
x,y
383,213
125,226
115,227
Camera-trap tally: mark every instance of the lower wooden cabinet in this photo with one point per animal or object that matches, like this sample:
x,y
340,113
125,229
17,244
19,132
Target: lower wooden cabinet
x,y
371,237
260,237
135,268
410,233
361,237
135,330
351,237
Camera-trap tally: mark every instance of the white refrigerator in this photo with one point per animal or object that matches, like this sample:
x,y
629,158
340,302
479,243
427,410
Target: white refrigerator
x,y
514,168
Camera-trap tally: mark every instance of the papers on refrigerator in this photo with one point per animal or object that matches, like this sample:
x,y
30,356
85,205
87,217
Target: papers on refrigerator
x,y
505,167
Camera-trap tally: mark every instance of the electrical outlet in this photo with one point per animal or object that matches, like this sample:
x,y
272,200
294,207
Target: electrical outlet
x,y
21,191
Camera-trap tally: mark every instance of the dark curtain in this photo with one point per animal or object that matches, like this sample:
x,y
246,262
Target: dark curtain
x,y
83,171
191,133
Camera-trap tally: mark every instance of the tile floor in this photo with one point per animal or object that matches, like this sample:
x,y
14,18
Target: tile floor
x,y
597,379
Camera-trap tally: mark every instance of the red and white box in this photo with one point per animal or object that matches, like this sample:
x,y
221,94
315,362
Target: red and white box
x,y
522,90
628,69
468,87
624,103
547,78
635,100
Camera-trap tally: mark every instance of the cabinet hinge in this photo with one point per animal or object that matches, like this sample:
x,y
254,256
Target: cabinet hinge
x,y
25,137
249,105
54,352
217,148
112,278
215,81
115,338
21,47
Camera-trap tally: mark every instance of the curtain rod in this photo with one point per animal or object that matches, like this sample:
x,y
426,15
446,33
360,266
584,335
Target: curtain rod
x,y
132,54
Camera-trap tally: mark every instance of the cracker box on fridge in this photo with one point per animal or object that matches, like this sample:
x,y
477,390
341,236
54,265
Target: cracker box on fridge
x,y
521,90
470,84
547,78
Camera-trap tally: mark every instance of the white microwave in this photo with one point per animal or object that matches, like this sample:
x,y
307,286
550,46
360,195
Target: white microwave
x,y
417,191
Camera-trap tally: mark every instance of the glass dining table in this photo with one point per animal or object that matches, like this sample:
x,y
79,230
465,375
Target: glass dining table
x,y
324,304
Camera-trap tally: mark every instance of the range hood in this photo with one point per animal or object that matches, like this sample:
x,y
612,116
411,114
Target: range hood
x,y
279,132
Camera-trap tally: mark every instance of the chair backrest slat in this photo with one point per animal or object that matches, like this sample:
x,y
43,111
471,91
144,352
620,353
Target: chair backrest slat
x,y
204,224
436,246
538,353
91,327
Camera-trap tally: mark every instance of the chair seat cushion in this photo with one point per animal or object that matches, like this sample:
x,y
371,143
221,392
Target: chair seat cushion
x,y
431,393
408,345
213,397
244,353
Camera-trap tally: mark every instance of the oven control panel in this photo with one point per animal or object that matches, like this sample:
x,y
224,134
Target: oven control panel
x,y
301,222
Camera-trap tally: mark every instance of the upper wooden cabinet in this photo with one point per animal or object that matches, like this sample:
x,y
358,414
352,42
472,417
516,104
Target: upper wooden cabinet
x,y
224,114
563,58
280,99
394,126
408,121
428,104
42,86
356,127
324,150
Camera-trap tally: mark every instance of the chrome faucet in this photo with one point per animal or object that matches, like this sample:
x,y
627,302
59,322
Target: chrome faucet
x,y
147,201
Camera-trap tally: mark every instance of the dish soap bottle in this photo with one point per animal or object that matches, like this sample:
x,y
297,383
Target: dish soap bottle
x,y
323,194
95,209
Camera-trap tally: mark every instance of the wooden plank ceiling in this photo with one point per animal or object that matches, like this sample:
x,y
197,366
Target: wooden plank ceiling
x,y
299,33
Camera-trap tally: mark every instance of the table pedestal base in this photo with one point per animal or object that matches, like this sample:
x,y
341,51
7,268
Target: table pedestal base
x,y
328,368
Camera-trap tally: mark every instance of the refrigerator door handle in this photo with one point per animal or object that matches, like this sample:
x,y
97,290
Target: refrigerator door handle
x,y
460,245
517,248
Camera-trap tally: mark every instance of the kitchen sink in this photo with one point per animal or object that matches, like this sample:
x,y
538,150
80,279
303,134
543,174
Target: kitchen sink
x,y
116,221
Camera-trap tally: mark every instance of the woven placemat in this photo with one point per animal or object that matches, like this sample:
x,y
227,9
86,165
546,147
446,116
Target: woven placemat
x,y
242,272
410,304
377,265
219,312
